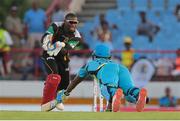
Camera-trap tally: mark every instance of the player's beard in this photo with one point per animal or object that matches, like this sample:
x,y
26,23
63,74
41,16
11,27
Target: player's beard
x,y
72,29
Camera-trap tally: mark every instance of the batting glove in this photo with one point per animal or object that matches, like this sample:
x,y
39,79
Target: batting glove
x,y
47,39
54,49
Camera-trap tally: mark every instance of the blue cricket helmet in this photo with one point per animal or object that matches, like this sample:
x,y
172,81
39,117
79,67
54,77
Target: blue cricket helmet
x,y
102,50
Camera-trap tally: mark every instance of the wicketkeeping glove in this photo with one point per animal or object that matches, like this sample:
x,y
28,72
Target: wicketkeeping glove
x,y
62,95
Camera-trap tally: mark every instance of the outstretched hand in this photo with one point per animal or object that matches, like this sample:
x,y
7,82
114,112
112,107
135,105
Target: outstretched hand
x,y
54,49
61,96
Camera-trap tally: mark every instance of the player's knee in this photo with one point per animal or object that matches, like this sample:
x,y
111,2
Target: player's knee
x,y
132,94
53,79
112,91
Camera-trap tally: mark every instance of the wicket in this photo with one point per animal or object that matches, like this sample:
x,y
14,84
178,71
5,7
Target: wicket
x,y
97,95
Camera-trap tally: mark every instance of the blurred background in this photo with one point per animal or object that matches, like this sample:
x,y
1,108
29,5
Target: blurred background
x,y
142,34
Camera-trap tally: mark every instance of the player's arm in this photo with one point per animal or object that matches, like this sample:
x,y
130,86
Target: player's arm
x,y
73,84
62,95
47,38
52,48
79,78
50,32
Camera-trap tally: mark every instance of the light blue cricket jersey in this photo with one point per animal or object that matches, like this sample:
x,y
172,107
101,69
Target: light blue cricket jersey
x,y
108,73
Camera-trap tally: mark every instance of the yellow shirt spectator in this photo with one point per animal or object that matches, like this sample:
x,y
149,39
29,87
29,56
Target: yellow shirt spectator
x,y
127,55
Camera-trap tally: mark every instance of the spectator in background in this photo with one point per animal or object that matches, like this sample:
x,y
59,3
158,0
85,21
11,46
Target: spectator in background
x,y
98,25
168,100
5,47
176,71
36,67
147,28
101,22
127,55
58,14
177,12
102,31
104,34
14,26
35,24
164,67
102,19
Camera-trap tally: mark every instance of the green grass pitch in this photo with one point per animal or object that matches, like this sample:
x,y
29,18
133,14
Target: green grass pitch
x,y
27,115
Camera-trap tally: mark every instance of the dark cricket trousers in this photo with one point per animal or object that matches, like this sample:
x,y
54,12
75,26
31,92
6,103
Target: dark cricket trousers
x,y
55,66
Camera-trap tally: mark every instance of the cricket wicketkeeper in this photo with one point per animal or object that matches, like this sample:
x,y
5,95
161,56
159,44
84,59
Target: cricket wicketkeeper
x,y
111,76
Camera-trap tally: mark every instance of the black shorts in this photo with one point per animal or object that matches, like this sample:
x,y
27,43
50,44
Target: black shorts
x,y
55,66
